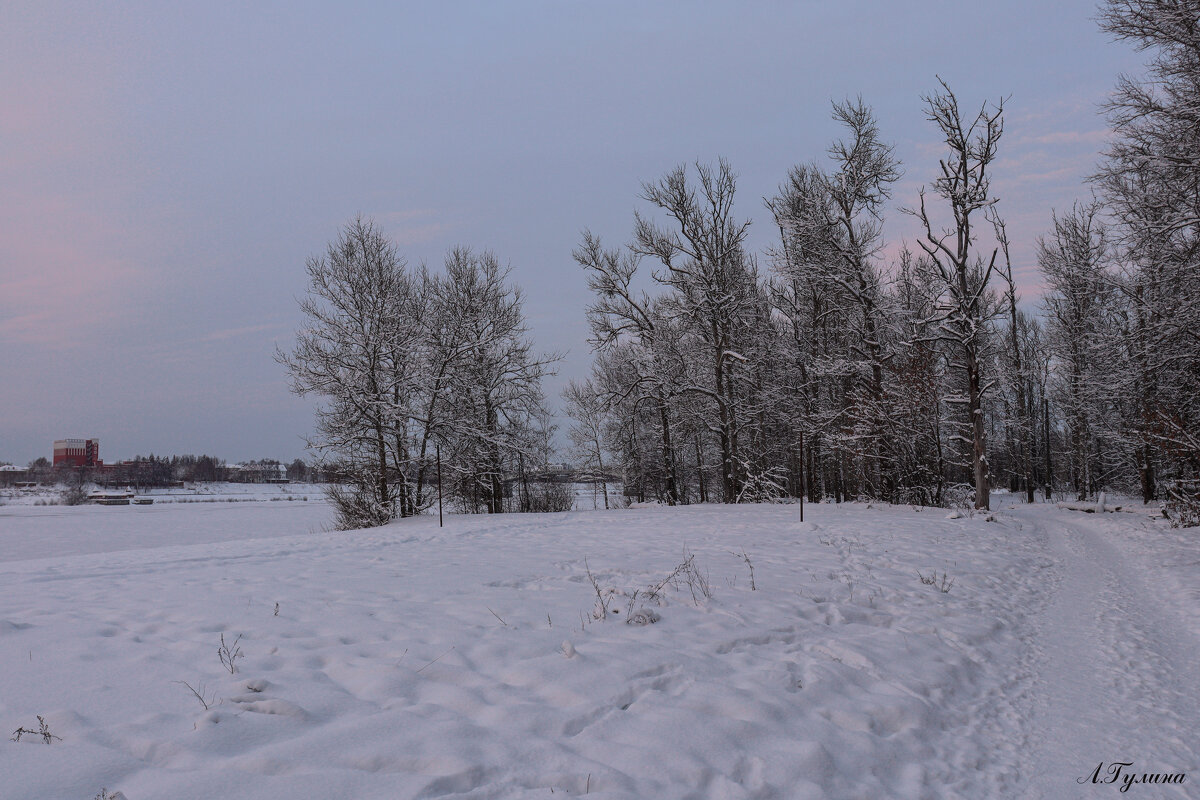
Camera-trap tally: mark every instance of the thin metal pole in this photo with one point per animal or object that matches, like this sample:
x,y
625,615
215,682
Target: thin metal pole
x,y
802,477
438,450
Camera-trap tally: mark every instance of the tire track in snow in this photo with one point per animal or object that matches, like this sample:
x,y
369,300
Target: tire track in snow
x,y
1115,673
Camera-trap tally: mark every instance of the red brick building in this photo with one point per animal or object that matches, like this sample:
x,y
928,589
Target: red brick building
x,y
77,453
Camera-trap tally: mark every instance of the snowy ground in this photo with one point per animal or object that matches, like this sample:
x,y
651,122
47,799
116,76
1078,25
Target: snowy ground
x,y
410,662
205,493
29,531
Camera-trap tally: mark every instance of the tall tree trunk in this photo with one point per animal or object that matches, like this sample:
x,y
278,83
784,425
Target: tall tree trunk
x,y
978,434
382,465
495,476
668,455
1146,473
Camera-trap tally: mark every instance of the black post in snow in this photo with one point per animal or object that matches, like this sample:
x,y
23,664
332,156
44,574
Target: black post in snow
x,y
438,449
802,476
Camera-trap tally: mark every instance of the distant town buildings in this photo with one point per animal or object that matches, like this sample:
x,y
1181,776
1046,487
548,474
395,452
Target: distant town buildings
x,y
262,472
11,475
76,461
77,453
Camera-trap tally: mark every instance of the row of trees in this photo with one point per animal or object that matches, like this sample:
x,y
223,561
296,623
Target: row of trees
x,y
429,379
847,369
826,377
855,370
155,470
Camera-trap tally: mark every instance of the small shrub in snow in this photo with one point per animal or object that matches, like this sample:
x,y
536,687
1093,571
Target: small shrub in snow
x,y
207,702
686,574
742,555
105,794
601,609
42,731
943,584
230,654
643,616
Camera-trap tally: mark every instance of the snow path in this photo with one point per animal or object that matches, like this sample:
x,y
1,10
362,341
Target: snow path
x,y
1115,668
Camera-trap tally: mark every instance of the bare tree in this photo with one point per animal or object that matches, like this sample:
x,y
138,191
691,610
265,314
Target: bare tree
x,y
1148,180
965,305
1078,299
630,322
714,287
350,353
1018,368
830,224
496,379
587,408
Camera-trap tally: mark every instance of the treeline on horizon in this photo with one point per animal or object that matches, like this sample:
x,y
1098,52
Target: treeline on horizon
x,y
154,470
832,373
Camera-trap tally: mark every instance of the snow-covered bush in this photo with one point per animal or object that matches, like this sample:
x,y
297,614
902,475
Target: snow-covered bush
x,y
356,507
763,486
551,496
73,495
960,495
1182,504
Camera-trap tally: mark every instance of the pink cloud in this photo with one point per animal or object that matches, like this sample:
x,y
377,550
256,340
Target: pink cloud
x,y
234,333
66,264
60,277
414,226
1092,138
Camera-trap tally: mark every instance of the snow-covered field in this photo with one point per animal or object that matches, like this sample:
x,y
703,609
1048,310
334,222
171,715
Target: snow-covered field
x,y
418,662
29,531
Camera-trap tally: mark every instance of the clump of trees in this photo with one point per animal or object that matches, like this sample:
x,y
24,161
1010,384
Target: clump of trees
x,y
1149,183
914,377
830,376
425,378
844,367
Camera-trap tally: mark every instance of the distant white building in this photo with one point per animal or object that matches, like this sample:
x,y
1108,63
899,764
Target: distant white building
x,y
10,475
257,473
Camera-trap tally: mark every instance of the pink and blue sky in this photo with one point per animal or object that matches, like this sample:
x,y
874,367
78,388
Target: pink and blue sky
x,y
165,170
